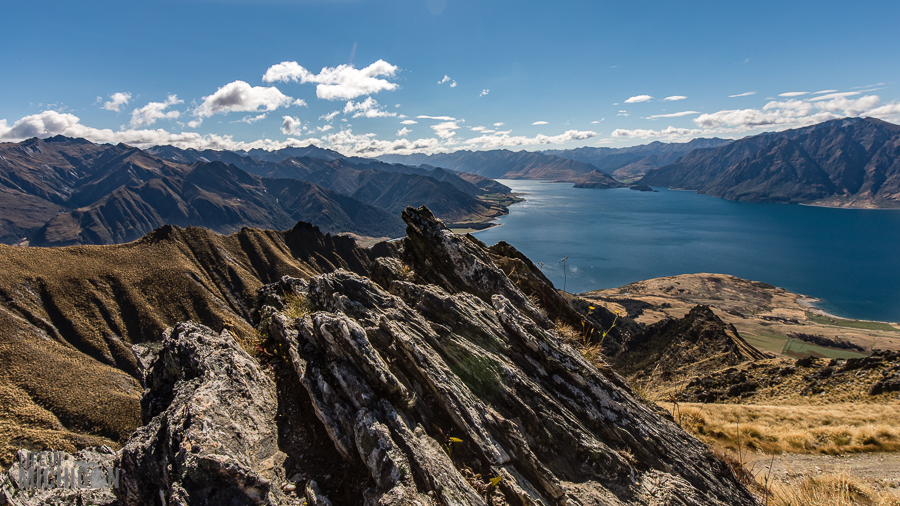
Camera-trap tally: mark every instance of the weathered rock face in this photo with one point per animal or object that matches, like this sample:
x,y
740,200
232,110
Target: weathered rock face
x,y
210,437
437,388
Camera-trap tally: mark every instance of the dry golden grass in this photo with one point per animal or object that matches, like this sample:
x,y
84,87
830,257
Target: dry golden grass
x,y
837,428
831,489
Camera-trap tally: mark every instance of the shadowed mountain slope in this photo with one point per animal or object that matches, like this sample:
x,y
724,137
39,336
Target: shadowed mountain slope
x,y
847,162
69,315
502,163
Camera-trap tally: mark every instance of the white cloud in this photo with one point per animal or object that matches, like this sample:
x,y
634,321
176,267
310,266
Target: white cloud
x,y
824,91
324,128
669,132
343,82
408,122
745,94
835,95
484,92
674,98
798,112
673,115
239,96
252,119
622,113
147,115
291,126
365,144
446,129
503,139
403,132
793,94
638,98
195,123
116,101
439,118
499,124
299,103
598,121
539,123
368,108
447,79
330,116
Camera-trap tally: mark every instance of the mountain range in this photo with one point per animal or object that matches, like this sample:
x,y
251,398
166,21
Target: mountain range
x,y
850,162
61,191
505,164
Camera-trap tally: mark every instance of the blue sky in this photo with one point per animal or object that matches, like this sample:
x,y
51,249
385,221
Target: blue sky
x,y
368,77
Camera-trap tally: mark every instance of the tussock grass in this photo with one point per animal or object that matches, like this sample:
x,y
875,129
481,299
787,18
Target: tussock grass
x,y
838,428
830,489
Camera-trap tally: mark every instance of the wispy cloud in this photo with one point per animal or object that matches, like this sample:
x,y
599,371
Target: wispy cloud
x,y
745,94
116,101
503,139
638,98
673,115
622,113
674,98
484,92
793,94
439,118
824,91
403,132
343,82
408,122
832,96
252,119
539,123
447,79
499,124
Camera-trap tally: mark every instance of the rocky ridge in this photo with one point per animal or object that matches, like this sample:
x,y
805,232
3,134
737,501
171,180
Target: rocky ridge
x,y
428,385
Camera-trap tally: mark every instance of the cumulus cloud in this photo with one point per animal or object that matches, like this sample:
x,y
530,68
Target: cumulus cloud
x,y
674,98
673,115
539,123
445,130
291,126
793,94
745,94
343,82
366,145
799,112
403,132
484,92
239,96
408,122
324,128
453,84
147,115
116,101
503,139
368,108
439,118
638,98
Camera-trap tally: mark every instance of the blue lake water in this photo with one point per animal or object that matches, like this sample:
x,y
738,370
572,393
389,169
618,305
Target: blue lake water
x,y
848,258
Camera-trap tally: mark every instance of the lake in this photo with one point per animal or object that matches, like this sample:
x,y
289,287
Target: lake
x,y
848,258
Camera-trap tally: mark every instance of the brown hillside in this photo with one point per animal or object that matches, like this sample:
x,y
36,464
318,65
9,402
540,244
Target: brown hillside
x,y
69,315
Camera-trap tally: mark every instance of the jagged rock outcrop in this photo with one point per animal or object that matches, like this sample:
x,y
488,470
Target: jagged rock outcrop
x,y
210,437
438,387
699,342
